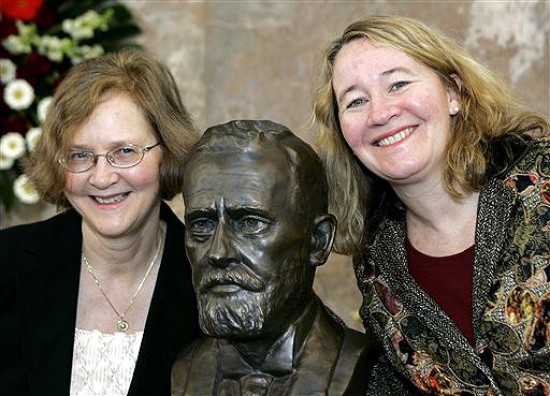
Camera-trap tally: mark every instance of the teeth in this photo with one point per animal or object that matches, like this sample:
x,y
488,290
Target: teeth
x,y
395,138
112,200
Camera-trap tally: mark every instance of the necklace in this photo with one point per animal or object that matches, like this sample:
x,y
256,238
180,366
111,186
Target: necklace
x,y
122,324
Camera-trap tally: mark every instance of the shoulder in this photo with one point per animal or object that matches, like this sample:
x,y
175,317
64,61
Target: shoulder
x,y
47,236
198,348
529,177
358,354
535,153
195,367
57,222
354,342
168,215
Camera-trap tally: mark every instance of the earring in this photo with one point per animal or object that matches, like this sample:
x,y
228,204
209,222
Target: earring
x,y
454,109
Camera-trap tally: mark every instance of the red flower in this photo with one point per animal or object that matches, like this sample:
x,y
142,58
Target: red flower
x,y
24,10
45,18
7,25
16,123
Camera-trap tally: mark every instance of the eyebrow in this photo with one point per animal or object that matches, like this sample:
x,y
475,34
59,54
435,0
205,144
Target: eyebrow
x,y
195,213
117,143
385,73
237,211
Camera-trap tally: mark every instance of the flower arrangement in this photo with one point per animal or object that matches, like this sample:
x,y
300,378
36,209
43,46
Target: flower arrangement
x,y
39,42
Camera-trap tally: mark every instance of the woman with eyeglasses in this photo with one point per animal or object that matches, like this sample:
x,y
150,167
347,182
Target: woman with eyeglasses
x,y
98,299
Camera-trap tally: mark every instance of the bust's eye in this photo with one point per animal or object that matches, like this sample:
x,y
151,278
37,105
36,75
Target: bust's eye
x,y
201,227
252,225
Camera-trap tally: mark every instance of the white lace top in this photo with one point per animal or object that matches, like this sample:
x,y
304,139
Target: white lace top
x,y
103,364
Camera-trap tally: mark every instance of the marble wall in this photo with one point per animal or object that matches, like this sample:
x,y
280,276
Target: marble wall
x,y
258,59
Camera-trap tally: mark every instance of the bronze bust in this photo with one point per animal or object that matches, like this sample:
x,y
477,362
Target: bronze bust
x,y
257,228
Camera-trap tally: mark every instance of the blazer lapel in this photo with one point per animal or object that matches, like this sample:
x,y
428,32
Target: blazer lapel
x,y
171,320
47,305
496,202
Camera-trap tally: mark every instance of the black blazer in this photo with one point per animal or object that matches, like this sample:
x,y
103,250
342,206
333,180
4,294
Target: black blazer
x,y
39,278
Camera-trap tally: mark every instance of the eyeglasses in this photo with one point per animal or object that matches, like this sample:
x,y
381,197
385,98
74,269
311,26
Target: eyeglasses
x,y
82,160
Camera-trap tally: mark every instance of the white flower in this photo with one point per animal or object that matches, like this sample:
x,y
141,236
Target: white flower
x,y
16,46
5,162
32,137
7,70
77,29
83,27
85,52
24,190
18,94
54,47
22,42
12,145
42,108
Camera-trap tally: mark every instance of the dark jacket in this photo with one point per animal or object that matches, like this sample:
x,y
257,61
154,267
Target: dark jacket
x,y
39,278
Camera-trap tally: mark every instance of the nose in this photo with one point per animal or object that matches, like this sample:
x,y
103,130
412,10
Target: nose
x,y
380,111
221,252
102,173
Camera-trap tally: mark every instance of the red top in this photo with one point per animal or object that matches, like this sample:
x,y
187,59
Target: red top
x,y
448,281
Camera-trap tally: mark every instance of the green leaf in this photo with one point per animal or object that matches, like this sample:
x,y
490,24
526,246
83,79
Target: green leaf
x,y
121,13
6,191
117,33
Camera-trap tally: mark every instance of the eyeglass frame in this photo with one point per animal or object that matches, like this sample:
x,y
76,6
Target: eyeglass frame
x,y
142,149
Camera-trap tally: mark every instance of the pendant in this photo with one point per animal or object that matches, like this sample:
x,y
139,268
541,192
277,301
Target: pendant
x,y
122,325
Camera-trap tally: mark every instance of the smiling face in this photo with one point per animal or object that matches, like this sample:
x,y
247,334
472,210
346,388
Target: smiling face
x,y
394,112
248,247
114,201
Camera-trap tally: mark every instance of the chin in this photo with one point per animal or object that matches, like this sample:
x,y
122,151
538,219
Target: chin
x,y
241,314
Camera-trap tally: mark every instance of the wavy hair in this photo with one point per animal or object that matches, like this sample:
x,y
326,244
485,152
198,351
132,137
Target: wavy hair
x,y
483,134
148,83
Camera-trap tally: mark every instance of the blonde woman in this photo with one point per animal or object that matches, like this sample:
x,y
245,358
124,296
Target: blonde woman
x,y
440,182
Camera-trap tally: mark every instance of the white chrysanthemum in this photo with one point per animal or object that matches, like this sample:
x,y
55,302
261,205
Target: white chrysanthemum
x,y
42,108
7,70
5,162
12,145
32,137
24,190
18,94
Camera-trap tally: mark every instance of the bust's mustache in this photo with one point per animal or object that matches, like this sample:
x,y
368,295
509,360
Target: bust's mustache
x,y
238,275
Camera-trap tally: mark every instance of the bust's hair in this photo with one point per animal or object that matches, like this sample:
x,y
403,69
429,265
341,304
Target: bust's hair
x,y
257,135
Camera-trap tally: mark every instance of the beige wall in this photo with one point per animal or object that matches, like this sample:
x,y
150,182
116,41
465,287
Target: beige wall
x,y
258,59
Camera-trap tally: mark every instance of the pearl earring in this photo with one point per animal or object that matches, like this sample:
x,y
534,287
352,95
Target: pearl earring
x,y
454,109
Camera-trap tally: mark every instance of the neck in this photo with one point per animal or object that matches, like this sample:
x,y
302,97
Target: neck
x,y
127,256
293,332
437,223
254,351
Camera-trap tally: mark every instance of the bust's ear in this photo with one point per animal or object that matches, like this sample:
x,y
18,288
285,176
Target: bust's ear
x,y
323,236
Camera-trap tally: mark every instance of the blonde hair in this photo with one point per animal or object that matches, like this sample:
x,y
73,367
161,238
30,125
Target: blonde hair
x,y
148,83
488,114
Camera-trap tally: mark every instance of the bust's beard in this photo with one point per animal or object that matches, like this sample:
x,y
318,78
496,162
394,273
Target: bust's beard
x,y
239,315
